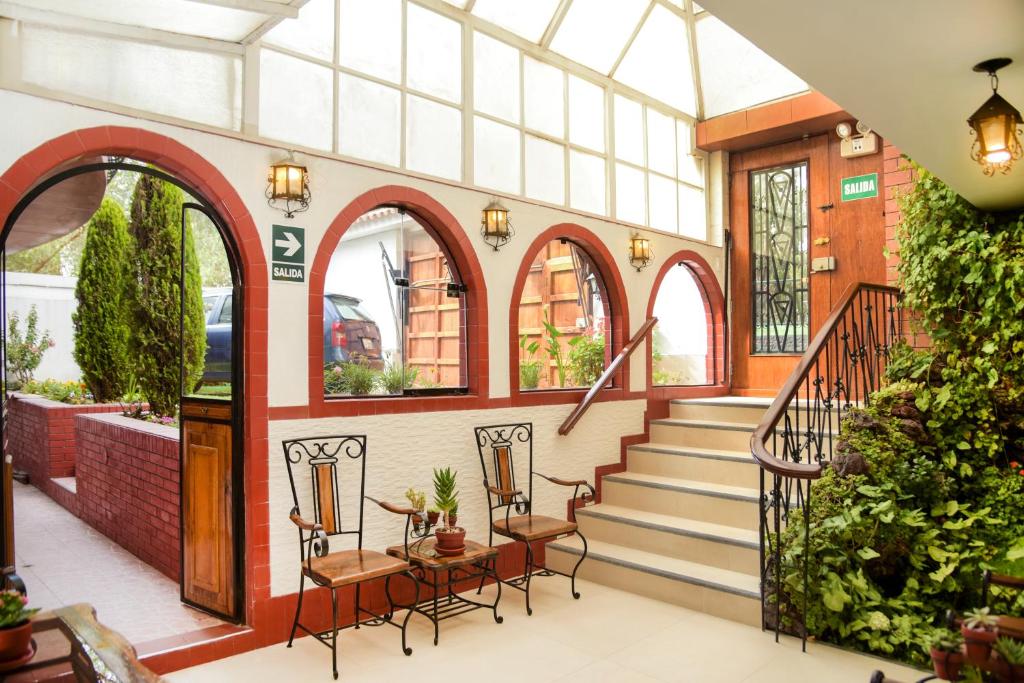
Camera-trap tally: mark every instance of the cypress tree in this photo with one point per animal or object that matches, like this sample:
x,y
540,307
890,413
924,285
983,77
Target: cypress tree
x,y
156,297
101,319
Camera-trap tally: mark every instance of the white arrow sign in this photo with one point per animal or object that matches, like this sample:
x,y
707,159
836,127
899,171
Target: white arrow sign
x,y
290,244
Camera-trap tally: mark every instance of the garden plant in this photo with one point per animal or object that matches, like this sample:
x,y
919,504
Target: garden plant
x,y
25,349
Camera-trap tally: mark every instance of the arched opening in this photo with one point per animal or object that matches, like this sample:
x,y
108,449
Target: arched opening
x,y
567,317
415,275
210,209
687,345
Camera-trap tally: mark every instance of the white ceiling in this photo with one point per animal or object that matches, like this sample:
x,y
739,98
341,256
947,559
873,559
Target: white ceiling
x,y
904,68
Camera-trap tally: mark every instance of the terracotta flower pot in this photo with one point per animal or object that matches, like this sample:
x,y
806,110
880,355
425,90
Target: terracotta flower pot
x,y
947,665
417,522
978,644
450,542
432,518
15,641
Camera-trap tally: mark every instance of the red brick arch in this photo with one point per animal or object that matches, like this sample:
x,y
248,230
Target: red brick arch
x,y
715,319
605,263
456,240
204,178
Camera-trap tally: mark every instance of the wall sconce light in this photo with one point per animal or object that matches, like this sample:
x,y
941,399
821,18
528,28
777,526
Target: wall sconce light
x,y
495,226
288,182
640,253
995,125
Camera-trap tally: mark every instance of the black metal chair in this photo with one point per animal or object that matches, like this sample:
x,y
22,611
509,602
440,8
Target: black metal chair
x,y
502,448
333,570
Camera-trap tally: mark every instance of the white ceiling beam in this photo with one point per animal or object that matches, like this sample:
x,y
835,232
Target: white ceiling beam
x,y
265,28
555,23
275,9
111,30
632,38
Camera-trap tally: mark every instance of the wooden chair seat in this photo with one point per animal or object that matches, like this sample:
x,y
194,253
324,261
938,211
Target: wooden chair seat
x,y
533,527
352,566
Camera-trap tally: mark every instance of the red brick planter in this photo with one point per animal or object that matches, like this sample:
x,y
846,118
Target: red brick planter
x,y
128,486
41,440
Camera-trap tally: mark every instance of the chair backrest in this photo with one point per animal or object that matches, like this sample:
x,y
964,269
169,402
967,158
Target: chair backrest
x,y
506,457
313,466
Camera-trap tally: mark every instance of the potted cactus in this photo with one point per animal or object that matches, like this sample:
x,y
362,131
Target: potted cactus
x,y
15,627
451,540
1011,659
979,632
947,658
417,501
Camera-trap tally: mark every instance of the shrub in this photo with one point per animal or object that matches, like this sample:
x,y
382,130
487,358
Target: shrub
x,y
397,377
101,318
334,379
66,392
529,370
586,359
359,378
25,350
156,297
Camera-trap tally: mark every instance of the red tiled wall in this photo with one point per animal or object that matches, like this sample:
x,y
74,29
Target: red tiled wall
x,y
898,180
128,488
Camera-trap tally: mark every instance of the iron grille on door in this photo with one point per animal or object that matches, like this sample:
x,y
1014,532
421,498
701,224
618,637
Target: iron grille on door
x,y
778,235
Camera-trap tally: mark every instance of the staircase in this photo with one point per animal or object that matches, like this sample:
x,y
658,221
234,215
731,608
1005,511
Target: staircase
x,y
681,523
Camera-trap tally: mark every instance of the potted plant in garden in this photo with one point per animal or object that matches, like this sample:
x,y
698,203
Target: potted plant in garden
x,y
947,658
417,501
1011,658
15,628
979,632
451,540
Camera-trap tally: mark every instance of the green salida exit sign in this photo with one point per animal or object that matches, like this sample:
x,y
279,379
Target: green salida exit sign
x,y
859,187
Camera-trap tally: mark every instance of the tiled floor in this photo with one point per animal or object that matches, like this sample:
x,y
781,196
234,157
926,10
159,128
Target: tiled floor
x,y
64,561
607,636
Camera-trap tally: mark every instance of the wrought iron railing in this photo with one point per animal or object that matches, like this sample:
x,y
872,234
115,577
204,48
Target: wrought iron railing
x,y
843,365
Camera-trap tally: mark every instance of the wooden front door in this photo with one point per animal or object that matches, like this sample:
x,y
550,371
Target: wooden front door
x,y
786,211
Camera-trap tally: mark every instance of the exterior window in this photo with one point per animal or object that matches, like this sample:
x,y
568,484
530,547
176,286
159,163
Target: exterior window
x,y
394,311
680,342
778,230
564,320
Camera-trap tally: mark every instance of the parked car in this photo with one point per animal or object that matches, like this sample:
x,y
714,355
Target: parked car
x,y
349,333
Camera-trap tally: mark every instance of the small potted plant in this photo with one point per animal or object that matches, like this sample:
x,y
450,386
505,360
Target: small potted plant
x,y
1011,656
433,514
418,501
979,632
15,627
451,540
947,658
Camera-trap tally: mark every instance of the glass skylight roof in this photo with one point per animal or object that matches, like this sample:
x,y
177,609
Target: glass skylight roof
x,y
594,32
525,18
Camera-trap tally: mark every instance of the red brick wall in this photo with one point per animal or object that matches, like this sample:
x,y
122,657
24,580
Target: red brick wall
x,y
128,486
41,440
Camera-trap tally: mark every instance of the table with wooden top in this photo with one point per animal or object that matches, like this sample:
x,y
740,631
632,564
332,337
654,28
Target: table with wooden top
x,y
71,645
478,563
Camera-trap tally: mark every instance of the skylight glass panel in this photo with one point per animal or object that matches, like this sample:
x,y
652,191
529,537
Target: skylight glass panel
x,y
586,114
526,18
461,4
312,33
736,74
176,16
630,196
433,138
433,53
544,88
370,37
586,182
662,202
545,170
693,220
305,120
661,143
495,77
593,32
658,61
495,155
629,130
369,120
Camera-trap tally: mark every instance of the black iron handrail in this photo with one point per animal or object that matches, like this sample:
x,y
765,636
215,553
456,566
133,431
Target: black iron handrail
x,y
843,365
606,376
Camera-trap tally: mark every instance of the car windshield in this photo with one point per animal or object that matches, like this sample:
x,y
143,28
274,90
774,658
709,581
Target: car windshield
x,y
348,308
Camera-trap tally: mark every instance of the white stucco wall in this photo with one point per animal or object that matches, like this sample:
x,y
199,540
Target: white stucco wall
x,y
54,299
403,448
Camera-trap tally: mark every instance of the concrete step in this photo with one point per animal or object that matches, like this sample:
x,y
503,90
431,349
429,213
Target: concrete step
x,y
742,409
720,592
734,506
736,468
731,436
685,539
